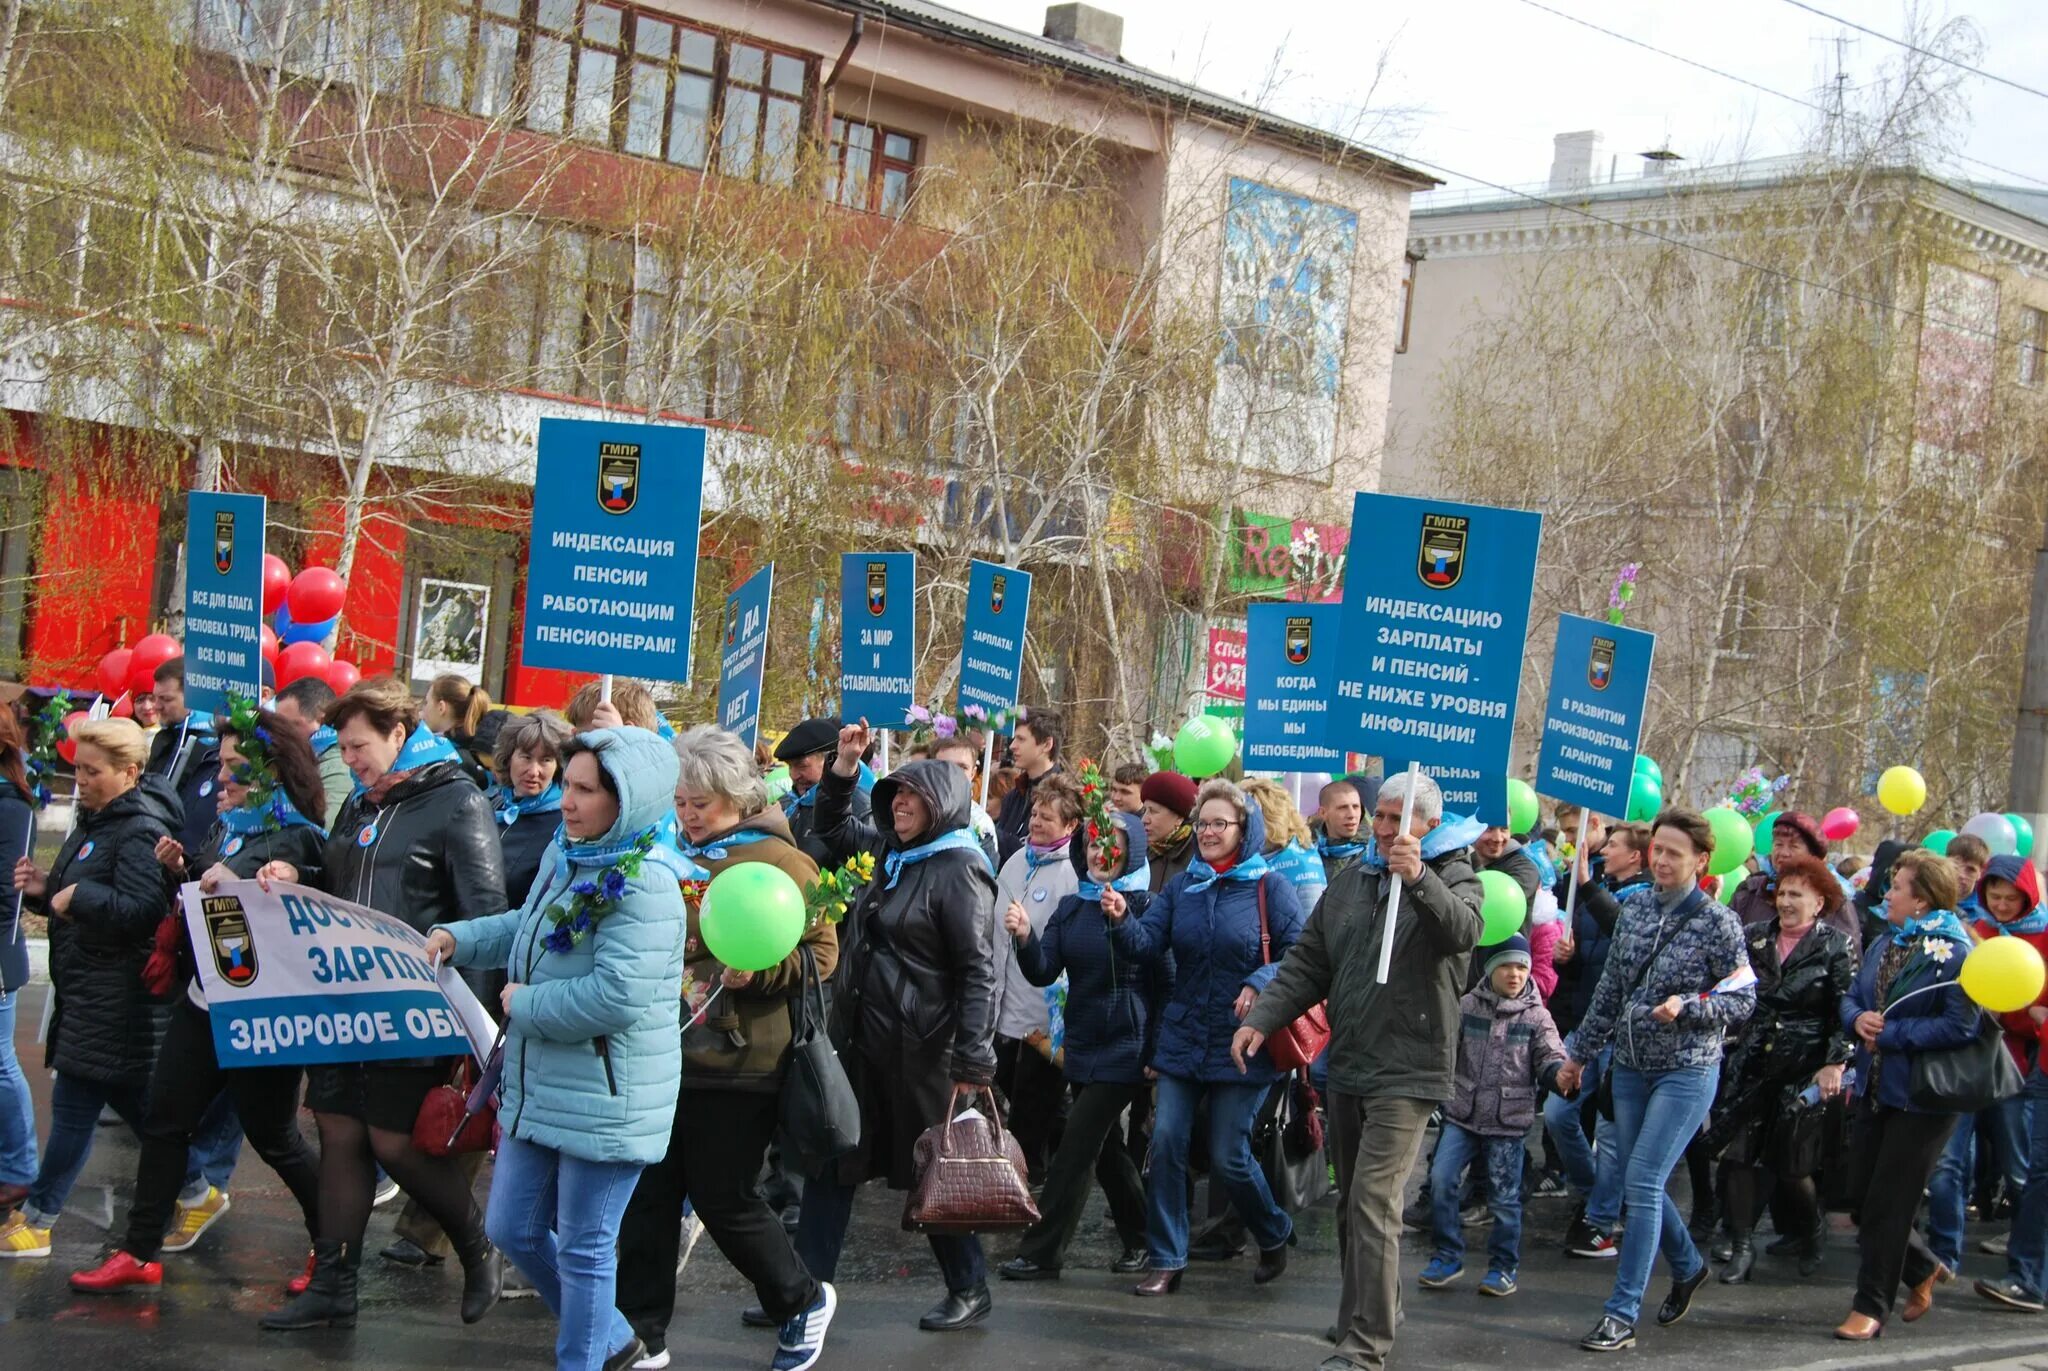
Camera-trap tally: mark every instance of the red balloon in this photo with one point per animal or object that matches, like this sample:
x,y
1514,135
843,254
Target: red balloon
x,y
277,579
115,669
142,680
152,652
315,595
269,645
124,708
66,747
301,659
341,676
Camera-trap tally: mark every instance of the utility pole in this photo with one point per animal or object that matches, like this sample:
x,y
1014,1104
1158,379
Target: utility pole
x,y
2030,731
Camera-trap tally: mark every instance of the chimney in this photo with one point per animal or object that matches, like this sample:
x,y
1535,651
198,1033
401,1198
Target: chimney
x,y
1093,31
1657,162
1574,158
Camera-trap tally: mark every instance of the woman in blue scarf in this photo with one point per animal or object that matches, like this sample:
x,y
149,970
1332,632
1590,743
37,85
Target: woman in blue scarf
x,y
1227,921
528,761
271,804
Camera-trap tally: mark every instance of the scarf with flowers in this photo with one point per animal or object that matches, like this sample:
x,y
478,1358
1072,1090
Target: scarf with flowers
x,y
594,896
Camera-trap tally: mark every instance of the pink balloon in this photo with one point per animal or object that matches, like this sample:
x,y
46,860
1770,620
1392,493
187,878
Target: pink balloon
x,y
301,659
277,579
341,676
315,595
1840,823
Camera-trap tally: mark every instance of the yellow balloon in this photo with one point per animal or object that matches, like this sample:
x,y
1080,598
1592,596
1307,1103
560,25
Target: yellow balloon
x,y
2004,975
1901,790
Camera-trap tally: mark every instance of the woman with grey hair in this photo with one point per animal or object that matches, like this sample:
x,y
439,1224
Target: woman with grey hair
x,y
734,1056
528,761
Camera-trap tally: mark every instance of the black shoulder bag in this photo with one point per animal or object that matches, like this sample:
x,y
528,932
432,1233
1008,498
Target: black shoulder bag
x,y
820,1113
1603,1094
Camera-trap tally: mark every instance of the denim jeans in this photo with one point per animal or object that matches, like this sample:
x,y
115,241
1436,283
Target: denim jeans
x,y
1502,1158
1655,1118
2026,1253
17,1107
216,1147
2003,1127
1592,1166
1232,1110
827,1209
75,1106
557,1218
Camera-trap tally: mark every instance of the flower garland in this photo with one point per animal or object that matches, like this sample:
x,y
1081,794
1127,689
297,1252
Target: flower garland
x,y
590,900
1622,591
256,772
924,726
1105,836
45,728
997,720
827,898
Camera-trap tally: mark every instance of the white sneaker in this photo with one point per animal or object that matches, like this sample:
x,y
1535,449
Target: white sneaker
x,y
653,1361
693,1229
387,1191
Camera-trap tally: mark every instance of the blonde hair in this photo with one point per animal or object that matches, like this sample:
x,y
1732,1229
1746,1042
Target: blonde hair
x,y
1284,823
1223,790
634,702
121,739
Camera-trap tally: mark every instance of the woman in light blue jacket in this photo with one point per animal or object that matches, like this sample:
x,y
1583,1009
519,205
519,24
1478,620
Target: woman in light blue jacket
x,y
593,1040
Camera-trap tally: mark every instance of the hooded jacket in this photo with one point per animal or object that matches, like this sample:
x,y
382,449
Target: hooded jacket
x,y
2024,1038
593,1058
1212,935
742,1042
1397,1039
103,1027
1506,1048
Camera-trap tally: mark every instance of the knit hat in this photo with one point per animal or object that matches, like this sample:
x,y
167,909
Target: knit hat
x,y
1170,790
1808,829
1512,950
807,739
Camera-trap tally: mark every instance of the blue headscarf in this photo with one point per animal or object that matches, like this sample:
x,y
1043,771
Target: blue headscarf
x,y
1138,879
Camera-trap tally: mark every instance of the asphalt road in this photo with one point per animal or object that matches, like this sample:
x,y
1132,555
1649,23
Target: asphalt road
x,y
205,1313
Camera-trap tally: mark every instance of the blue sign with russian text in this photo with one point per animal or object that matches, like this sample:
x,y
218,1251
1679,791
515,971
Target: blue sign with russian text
x,y
1599,679
223,599
1290,655
877,636
612,576
743,655
1435,618
992,642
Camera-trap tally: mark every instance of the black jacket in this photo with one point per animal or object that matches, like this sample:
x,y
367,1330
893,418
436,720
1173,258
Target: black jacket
x,y
1795,1031
197,774
103,1027
1014,818
428,855
523,843
808,831
17,839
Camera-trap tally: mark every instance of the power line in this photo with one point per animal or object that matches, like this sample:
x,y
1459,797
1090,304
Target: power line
x,y
1924,52
1756,86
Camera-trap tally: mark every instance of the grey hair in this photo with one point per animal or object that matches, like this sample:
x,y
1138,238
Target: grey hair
x,y
1221,790
715,762
1429,797
541,733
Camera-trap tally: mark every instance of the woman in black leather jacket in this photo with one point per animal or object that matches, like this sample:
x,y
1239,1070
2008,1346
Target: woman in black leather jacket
x,y
1804,965
417,842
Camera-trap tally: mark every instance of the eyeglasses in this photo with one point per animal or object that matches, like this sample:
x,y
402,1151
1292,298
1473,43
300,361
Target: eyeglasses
x,y
1215,825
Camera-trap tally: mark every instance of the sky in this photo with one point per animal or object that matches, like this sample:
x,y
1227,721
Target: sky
x,y
1477,88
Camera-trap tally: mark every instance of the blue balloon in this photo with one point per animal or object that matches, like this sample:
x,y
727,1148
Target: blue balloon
x,y
306,633
281,622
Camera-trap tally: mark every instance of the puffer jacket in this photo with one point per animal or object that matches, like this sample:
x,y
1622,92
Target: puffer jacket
x,y
1398,1039
593,1055
1944,1018
1506,1048
1682,948
17,840
1213,937
1021,1010
742,1043
103,1027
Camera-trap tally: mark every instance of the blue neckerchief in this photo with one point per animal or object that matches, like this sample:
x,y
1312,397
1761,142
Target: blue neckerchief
x,y
1941,923
715,850
863,781
1249,869
423,748
1340,850
512,808
959,839
2033,921
1139,879
1056,855
322,739
280,812
1450,835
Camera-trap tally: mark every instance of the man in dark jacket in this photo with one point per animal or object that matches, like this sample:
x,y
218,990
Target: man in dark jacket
x,y
1341,815
1035,751
1166,805
186,753
804,750
1393,1050
1497,850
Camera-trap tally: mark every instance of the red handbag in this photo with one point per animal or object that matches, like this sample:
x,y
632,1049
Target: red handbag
x,y
1300,1042
444,1127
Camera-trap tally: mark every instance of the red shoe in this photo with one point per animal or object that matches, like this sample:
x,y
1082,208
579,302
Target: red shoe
x,y
117,1272
297,1284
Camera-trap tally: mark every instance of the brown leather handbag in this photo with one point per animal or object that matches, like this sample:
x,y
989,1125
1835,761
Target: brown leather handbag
x,y
970,1178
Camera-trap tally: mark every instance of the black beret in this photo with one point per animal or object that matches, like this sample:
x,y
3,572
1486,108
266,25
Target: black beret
x,y
808,738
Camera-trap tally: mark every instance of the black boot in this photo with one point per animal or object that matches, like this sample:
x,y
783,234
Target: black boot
x,y
1812,1248
330,1298
483,1270
1741,1258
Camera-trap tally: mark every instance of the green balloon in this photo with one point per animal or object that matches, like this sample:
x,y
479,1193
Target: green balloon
x,y
1733,840
2024,831
1645,798
1204,747
752,917
1523,811
1766,829
1647,766
1502,910
1937,842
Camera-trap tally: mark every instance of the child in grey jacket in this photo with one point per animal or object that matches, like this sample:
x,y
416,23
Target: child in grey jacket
x,y
1507,1046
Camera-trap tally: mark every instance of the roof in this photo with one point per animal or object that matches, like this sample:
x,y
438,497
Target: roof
x,y
941,22
2028,203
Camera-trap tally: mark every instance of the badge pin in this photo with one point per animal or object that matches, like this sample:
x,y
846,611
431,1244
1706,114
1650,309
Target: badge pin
x,y
232,846
86,849
367,836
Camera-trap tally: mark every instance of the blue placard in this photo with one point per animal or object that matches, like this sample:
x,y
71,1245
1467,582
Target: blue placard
x,y
1435,617
877,636
743,655
223,599
612,577
992,642
1290,655
1599,678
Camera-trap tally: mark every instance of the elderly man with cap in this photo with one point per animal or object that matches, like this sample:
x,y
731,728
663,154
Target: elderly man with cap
x,y
1166,803
805,750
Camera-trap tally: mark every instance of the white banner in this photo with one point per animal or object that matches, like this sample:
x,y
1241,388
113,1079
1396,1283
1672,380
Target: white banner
x,y
295,977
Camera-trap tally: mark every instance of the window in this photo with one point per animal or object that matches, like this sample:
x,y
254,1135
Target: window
x,y
2033,346
870,168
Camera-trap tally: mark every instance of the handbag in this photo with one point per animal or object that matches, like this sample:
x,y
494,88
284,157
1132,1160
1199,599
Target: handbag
x,y
1798,1139
969,1177
1963,1080
820,1112
444,1125
1299,1043
1287,1140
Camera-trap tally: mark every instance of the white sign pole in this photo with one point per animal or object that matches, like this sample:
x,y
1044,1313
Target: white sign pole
x,y
1394,889
988,762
